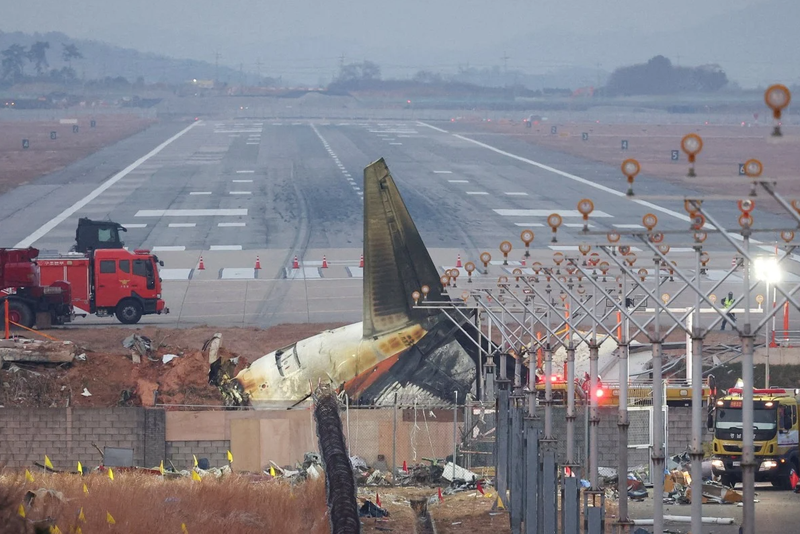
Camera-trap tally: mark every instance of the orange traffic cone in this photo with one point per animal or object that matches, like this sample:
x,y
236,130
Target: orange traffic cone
x,y
201,266
405,467
324,262
295,263
361,262
458,261
258,263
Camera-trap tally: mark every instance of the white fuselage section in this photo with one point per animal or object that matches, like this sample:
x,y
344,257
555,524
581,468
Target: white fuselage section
x,y
333,356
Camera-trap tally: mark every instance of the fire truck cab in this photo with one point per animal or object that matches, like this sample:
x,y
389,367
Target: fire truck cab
x,y
775,428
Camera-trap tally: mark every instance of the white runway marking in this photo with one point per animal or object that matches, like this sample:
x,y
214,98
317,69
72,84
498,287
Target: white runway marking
x,y
182,225
442,172
458,181
169,248
576,225
175,274
230,225
134,225
432,127
477,193
241,193
200,192
614,192
627,225
245,172
252,143
61,217
564,248
242,181
192,213
395,143
238,273
546,213
537,225
516,193
225,247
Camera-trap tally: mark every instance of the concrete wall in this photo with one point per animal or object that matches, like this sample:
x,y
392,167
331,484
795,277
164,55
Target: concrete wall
x,y
66,435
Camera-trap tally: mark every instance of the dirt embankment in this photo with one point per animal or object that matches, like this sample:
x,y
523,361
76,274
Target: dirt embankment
x,y
113,379
44,154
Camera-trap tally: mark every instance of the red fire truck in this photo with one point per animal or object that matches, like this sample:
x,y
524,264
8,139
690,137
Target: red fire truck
x,y
109,282
30,300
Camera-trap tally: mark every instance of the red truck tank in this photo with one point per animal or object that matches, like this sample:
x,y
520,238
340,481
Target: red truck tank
x,y
30,300
109,282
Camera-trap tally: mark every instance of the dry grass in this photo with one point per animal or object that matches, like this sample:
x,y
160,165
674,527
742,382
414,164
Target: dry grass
x,y
150,504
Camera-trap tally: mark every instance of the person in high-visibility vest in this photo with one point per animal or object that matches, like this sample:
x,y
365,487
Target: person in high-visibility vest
x,y
728,304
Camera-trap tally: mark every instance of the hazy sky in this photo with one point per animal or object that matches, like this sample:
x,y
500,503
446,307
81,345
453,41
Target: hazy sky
x,y
312,34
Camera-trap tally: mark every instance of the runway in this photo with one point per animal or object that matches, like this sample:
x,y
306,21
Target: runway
x,y
240,191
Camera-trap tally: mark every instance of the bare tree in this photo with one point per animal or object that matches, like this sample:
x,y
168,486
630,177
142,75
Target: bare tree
x,y
37,54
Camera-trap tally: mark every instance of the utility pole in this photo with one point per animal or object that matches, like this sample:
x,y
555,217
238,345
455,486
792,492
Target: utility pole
x,y
505,59
258,71
216,67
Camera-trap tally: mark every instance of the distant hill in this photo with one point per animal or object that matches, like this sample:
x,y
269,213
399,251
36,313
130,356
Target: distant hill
x,y
102,60
755,46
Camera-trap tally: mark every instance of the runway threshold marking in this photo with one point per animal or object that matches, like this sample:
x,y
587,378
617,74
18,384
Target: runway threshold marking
x,y
231,224
61,217
223,212
182,225
134,225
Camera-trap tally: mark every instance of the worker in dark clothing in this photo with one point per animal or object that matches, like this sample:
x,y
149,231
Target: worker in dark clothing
x,y
728,304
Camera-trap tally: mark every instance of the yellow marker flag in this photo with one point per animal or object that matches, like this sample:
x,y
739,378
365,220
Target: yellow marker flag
x,y
81,517
184,530
271,471
500,505
78,530
230,457
161,468
28,476
110,473
85,489
55,530
110,519
48,463
195,460
21,510
196,476
80,468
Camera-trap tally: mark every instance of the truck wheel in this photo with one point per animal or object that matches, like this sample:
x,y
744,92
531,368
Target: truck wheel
x,y
129,311
18,312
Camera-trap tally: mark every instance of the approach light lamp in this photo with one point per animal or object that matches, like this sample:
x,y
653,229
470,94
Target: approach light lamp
x,y
470,268
630,259
665,298
485,259
425,290
777,97
649,221
642,274
630,168
505,248
787,235
454,274
691,144
613,236
585,207
767,269
700,237
554,220
416,295
527,238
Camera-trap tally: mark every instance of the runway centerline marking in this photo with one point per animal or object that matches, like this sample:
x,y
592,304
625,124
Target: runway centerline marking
x,y
242,181
516,194
477,193
168,248
458,181
182,225
225,247
229,225
245,172
199,192
241,193
442,172
61,217
134,225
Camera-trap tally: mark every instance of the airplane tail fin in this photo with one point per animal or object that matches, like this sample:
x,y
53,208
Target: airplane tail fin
x,y
396,262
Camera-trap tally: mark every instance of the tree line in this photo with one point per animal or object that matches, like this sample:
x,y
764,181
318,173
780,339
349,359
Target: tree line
x,y
16,57
660,77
